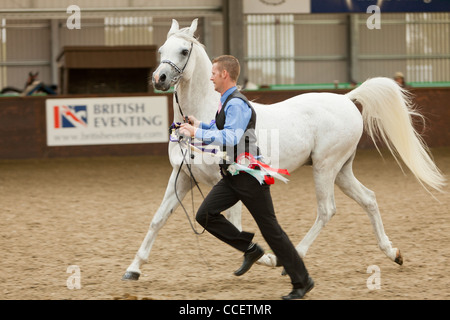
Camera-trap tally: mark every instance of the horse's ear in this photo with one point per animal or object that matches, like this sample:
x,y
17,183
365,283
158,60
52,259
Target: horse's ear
x,y
193,27
174,28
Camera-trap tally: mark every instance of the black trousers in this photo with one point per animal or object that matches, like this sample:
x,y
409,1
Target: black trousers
x,y
258,200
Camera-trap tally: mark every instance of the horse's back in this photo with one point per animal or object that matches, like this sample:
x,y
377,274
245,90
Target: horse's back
x,y
314,111
311,123
313,103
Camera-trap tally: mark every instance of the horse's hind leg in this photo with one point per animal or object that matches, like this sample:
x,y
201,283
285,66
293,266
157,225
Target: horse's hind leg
x,y
324,183
326,207
234,215
366,199
168,205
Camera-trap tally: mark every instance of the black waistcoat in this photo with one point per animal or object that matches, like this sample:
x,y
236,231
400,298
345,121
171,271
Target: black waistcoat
x,y
247,143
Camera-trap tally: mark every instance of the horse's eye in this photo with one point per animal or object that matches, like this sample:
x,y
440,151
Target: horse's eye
x,y
185,52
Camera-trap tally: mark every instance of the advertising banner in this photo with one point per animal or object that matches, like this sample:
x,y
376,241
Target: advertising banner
x,y
342,6
339,6
276,6
99,121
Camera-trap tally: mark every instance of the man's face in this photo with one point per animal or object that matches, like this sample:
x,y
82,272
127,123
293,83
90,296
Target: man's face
x,y
217,77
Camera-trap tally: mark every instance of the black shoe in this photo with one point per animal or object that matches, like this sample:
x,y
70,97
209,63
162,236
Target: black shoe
x,y
250,257
300,292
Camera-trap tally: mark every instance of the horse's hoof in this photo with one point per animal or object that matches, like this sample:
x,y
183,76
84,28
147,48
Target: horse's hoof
x,y
131,276
398,258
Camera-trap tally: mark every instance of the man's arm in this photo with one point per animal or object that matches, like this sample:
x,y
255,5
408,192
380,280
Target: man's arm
x,y
238,115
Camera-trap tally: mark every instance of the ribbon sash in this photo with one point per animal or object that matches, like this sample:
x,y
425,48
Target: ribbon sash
x,y
261,171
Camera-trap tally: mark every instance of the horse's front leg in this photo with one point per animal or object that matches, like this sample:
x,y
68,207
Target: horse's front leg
x,y
168,205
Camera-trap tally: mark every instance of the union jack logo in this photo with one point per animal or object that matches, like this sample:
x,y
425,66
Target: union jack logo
x,y
70,116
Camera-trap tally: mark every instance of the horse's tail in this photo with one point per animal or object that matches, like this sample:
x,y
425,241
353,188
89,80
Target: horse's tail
x,y
387,112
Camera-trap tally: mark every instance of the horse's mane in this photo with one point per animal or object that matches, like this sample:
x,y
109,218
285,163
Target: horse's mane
x,y
183,33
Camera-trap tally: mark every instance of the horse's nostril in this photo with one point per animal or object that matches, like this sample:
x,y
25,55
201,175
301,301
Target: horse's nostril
x,y
162,78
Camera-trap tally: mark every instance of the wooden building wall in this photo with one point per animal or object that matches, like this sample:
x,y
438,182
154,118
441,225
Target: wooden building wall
x,y
23,125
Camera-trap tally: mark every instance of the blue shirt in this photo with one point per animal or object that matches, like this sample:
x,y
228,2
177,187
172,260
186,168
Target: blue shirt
x,y
237,117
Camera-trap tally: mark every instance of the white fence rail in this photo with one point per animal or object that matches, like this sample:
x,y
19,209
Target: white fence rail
x,y
279,49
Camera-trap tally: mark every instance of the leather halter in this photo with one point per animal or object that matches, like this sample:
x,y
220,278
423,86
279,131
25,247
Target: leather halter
x,y
177,69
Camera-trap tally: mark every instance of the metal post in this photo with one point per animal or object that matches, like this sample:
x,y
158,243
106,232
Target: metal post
x,y
54,25
353,56
233,25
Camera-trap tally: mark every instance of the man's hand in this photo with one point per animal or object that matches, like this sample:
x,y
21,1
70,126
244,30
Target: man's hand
x,y
193,121
187,130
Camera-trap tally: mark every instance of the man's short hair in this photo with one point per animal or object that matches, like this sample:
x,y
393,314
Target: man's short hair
x,y
230,64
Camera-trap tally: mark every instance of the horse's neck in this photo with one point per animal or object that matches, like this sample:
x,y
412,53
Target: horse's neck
x,y
197,96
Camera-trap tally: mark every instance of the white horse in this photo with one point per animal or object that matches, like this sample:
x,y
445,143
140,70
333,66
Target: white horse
x,y
318,129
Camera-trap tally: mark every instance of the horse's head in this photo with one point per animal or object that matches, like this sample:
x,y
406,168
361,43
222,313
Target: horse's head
x,y
175,56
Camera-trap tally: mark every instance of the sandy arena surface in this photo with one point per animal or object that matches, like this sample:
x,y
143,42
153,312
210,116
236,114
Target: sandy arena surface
x,y
94,213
